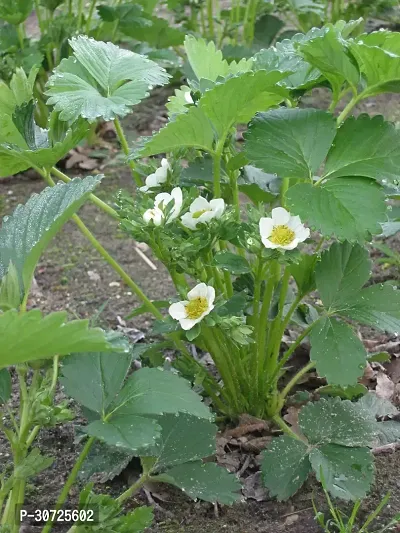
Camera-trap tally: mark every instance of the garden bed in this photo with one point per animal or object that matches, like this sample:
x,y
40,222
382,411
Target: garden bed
x,y
72,276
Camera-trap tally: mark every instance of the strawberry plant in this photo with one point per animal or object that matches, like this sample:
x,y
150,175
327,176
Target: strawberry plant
x,y
243,270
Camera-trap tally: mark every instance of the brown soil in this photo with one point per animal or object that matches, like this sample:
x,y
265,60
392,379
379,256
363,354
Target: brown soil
x,y
72,276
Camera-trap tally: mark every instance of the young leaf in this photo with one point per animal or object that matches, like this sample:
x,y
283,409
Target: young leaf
x,y
26,233
380,68
94,379
348,473
33,464
131,432
5,386
105,461
290,142
349,208
101,80
15,12
303,273
236,100
207,62
183,438
31,336
285,466
377,306
338,353
231,262
285,57
342,272
365,146
191,130
329,54
206,481
151,391
335,421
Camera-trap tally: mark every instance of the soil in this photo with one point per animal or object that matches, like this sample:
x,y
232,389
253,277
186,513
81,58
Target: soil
x,y
72,276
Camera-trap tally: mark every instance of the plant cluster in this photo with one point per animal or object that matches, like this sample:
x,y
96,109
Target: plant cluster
x,y
317,187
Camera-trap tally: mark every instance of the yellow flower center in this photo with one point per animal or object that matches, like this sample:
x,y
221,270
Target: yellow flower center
x,y
196,307
281,235
198,214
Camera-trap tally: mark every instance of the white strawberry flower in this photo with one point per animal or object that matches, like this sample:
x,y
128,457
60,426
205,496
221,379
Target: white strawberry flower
x,y
202,211
282,230
158,177
199,303
163,200
188,97
154,215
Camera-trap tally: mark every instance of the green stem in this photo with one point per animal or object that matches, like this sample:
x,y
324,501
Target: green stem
x,y
210,17
90,15
285,428
80,16
70,481
125,149
133,489
295,379
278,324
39,16
354,101
63,177
21,35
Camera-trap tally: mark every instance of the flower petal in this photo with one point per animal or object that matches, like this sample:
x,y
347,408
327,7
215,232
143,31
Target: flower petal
x,y
266,225
294,222
302,233
200,291
189,221
218,206
291,245
199,204
162,197
177,310
206,217
268,244
280,216
188,323
210,296
165,164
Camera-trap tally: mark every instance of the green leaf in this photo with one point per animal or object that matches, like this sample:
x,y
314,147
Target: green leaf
x,y
380,68
183,438
10,290
22,86
285,466
158,33
377,306
191,130
303,273
26,233
31,336
32,465
135,433
346,393
365,146
105,461
290,142
237,100
338,353
343,270
101,80
15,12
375,407
348,473
207,62
335,421
266,29
329,54
178,104
205,481
151,391
5,386
285,57
129,16
348,208
231,262
94,379
258,185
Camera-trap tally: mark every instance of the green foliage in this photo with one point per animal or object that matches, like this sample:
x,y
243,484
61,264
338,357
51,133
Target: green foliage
x,y
337,448
26,233
15,12
101,80
45,337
